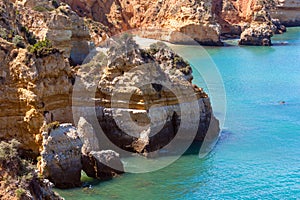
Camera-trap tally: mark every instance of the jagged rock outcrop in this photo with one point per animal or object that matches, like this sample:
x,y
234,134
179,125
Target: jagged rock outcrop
x,y
97,164
61,155
261,27
135,115
260,31
42,189
288,12
256,35
280,28
249,20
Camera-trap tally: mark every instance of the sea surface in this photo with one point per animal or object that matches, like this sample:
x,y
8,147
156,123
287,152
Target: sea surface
x,y
258,153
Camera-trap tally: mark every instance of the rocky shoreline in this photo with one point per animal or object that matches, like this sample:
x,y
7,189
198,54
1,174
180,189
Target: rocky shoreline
x,y
142,98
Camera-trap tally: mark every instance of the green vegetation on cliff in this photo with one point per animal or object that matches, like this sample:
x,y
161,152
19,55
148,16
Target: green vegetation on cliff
x,y
18,178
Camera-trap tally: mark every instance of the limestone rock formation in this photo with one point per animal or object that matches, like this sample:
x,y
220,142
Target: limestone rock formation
x,y
164,18
288,12
257,35
88,137
96,164
61,155
37,89
135,114
179,21
251,17
261,28
58,23
31,85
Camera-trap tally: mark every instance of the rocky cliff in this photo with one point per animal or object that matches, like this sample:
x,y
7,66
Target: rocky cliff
x,y
36,86
31,86
194,18
204,21
37,81
43,44
288,12
141,96
249,20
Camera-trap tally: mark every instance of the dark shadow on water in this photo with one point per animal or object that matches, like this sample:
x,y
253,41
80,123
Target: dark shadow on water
x,y
224,135
281,43
193,149
195,146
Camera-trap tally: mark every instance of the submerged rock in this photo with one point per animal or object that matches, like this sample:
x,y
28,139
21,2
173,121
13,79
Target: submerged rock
x,y
102,165
61,156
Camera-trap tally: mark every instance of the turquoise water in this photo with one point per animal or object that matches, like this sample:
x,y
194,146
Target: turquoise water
x,y
258,154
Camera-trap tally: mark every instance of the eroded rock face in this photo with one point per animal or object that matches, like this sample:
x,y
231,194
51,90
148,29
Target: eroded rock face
x,y
261,28
96,164
141,97
193,18
258,35
251,17
288,12
204,21
29,86
61,156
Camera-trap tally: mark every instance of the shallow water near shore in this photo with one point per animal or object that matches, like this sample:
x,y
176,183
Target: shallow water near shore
x,y
257,156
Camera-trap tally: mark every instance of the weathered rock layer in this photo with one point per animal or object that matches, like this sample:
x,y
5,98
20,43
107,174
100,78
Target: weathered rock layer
x,y
30,86
193,18
288,12
143,98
